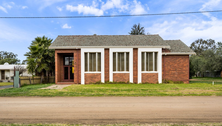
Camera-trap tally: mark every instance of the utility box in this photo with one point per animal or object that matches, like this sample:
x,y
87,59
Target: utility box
x,y
16,80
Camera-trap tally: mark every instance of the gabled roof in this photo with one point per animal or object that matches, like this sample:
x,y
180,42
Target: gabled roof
x,y
7,66
106,41
177,46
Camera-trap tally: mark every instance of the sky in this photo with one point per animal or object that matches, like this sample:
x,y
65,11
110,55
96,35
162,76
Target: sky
x,y
16,35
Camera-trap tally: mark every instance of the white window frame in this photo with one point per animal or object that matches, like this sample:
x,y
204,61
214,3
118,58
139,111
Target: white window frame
x,y
120,65
148,62
88,62
92,50
159,63
111,51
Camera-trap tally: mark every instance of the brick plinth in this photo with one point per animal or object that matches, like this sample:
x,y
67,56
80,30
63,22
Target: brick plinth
x,y
121,77
91,78
150,78
175,68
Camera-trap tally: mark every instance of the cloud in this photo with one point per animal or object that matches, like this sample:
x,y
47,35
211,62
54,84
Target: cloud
x,y
59,8
188,30
3,9
46,3
210,5
137,8
110,4
65,26
85,9
24,7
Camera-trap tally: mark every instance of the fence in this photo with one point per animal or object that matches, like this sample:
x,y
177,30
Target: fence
x,y
36,80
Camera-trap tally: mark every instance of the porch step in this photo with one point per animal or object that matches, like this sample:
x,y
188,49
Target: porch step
x,y
65,83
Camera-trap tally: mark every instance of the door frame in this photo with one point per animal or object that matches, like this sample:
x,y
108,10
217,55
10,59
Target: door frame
x,y
69,66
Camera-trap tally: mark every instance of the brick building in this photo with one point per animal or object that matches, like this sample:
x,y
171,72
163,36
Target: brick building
x,y
84,59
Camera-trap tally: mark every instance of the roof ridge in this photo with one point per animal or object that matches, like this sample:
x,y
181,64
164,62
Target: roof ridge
x,y
108,35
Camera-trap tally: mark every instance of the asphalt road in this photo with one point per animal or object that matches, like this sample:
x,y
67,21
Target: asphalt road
x,y
109,110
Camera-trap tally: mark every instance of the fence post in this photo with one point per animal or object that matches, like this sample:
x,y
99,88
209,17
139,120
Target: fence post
x,y
41,79
30,82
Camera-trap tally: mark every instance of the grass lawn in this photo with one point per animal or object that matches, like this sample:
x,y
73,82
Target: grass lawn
x,y
209,80
155,124
193,89
5,83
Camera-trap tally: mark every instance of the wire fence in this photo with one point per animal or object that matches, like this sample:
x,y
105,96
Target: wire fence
x,y
36,80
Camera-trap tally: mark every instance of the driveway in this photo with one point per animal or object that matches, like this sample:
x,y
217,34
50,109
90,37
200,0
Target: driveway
x,y
8,86
109,110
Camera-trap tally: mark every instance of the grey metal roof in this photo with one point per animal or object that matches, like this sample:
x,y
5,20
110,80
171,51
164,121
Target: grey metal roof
x,y
108,41
178,46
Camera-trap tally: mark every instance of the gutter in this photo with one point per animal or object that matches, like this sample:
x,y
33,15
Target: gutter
x,y
179,53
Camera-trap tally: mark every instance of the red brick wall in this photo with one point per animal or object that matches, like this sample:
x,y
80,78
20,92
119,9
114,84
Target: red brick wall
x,y
175,68
165,50
59,73
150,78
120,77
92,78
106,65
135,65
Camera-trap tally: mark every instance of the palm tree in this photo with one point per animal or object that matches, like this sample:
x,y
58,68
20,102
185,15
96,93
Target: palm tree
x,y
40,56
137,30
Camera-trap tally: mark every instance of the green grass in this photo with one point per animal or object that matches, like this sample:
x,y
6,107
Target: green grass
x,y
155,124
209,80
193,89
5,83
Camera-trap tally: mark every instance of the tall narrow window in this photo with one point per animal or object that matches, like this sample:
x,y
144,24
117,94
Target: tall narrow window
x,y
121,61
149,61
92,62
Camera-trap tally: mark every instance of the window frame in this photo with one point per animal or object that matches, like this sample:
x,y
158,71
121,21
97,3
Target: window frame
x,y
89,63
117,61
154,63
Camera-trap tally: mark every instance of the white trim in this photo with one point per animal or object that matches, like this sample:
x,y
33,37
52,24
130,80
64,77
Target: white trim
x,y
120,72
83,50
179,53
130,50
159,63
79,47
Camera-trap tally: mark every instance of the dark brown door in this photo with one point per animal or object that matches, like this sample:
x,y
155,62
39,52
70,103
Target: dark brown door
x,y
67,68
3,75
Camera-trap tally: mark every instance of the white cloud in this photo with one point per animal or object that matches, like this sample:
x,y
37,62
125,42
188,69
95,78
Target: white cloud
x,y
24,7
110,4
210,5
188,30
66,26
59,8
46,3
84,9
137,8
3,9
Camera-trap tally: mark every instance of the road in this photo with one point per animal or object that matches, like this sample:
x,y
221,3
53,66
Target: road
x,y
109,110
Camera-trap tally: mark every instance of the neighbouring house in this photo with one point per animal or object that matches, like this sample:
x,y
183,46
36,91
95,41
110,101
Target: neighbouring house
x,y
85,59
7,72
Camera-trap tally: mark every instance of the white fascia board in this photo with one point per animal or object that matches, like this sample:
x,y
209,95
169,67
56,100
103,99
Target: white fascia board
x,y
78,47
179,53
83,50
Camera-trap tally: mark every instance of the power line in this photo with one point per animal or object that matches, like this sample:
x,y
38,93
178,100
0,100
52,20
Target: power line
x,y
157,14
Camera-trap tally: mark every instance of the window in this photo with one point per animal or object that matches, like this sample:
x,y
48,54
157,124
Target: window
x,y
121,61
68,60
149,61
92,62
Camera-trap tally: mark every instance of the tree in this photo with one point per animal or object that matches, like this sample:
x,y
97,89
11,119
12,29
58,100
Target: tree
x,y
200,45
8,57
40,58
137,30
20,68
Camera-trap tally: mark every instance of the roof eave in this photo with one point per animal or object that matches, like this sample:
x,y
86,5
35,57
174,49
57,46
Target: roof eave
x,y
179,53
78,47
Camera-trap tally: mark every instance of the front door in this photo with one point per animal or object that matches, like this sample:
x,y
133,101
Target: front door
x,y
3,75
67,68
